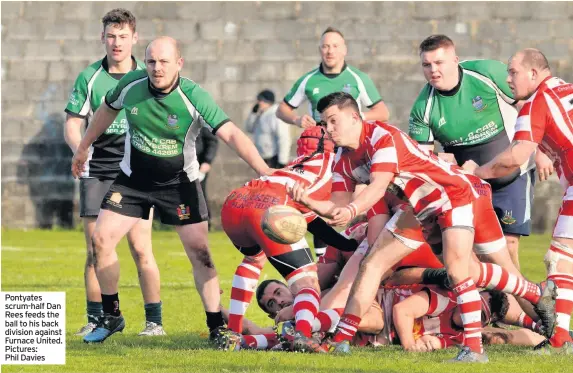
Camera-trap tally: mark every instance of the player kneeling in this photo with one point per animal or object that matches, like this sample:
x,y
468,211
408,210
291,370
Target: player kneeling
x,y
241,218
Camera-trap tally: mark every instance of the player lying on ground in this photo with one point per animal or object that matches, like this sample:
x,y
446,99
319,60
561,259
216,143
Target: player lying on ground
x,y
439,193
546,119
429,319
420,317
335,266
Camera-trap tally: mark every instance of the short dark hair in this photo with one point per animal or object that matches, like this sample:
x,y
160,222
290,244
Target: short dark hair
x,y
340,99
498,304
261,289
433,42
332,29
119,16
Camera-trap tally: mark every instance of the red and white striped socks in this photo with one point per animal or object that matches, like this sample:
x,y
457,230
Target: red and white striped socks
x,y
259,341
244,285
326,321
494,277
347,328
305,308
527,322
563,308
469,303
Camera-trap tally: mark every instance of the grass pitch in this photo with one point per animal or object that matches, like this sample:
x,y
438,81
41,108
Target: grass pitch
x,y
53,261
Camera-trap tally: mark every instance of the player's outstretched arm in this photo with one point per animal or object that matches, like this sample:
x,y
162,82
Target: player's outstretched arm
x,y
244,147
103,118
249,327
507,161
404,314
379,181
299,193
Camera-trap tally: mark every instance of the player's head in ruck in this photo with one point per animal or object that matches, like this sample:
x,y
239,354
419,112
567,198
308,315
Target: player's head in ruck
x,y
526,70
119,34
272,296
439,62
163,62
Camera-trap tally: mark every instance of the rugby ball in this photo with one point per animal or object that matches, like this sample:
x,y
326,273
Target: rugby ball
x,y
283,224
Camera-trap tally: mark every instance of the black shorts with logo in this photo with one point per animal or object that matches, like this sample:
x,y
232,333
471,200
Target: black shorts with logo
x,y
92,191
179,204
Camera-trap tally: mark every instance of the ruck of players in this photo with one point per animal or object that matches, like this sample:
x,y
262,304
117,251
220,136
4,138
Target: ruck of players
x,y
422,246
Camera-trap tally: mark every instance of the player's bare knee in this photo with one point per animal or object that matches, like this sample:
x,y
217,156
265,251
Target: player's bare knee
x,y
100,242
202,256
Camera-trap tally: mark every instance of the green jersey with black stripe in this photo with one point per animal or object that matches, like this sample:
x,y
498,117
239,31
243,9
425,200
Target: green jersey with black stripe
x,y
475,120
316,84
160,144
88,93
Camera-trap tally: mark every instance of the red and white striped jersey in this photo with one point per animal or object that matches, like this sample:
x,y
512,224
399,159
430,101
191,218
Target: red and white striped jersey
x,y
315,173
429,183
439,318
547,119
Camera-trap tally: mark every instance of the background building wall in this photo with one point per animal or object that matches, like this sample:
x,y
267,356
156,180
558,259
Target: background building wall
x,y
235,49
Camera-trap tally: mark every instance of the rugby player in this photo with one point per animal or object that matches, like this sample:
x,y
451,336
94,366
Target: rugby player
x,y
165,112
545,121
469,109
119,35
441,195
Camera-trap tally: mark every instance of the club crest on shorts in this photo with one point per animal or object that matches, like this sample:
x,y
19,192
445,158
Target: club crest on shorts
x,y
478,104
115,199
172,121
183,212
508,218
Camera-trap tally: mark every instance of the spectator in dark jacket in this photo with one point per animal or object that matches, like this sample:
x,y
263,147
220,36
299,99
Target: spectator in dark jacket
x,y
206,146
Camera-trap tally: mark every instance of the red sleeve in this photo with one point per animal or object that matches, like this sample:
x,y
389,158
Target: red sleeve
x,y
384,155
342,180
440,301
532,119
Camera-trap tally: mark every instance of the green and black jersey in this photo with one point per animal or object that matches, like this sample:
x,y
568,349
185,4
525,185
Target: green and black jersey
x,y
475,120
316,84
160,144
88,93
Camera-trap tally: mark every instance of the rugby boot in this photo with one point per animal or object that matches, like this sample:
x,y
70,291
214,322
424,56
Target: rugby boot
x,y
107,325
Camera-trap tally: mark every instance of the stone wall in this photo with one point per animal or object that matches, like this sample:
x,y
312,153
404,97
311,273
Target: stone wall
x,y
233,49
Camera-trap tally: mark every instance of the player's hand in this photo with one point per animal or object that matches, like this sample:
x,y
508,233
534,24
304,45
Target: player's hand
x,y
470,166
79,162
299,194
416,347
285,314
432,343
341,216
544,166
448,157
305,121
